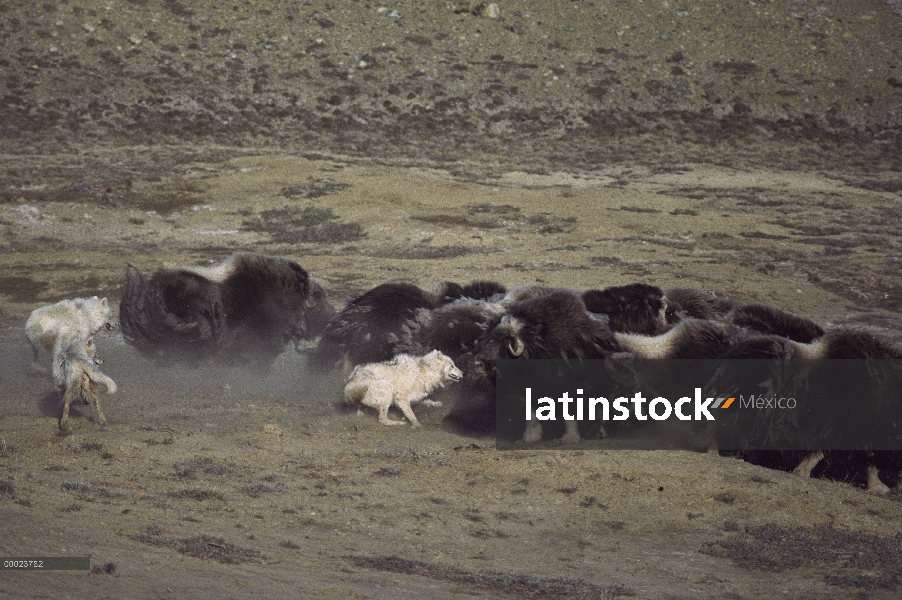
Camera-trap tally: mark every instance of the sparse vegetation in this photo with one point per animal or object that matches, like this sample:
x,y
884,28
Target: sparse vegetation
x,y
854,560
204,466
314,188
198,494
295,225
522,586
7,489
255,489
200,546
641,209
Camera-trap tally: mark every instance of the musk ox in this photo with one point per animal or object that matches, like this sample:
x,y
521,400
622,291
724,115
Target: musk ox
x,y
691,338
706,326
633,308
760,318
54,327
401,381
248,308
552,326
844,344
867,408
483,290
76,375
369,328
527,291
698,304
858,466
453,329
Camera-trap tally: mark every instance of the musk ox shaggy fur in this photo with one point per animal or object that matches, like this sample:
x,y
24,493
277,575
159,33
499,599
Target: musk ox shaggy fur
x,y
846,344
248,308
554,326
369,328
54,327
760,318
453,329
403,380
483,290
698,304
691,338
76,375
633,308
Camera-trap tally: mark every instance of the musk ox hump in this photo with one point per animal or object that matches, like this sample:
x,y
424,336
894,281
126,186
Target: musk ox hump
x,y
633,308
847,344
769,320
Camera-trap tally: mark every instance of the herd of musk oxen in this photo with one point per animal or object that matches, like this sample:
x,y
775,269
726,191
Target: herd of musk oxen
x,y
252,307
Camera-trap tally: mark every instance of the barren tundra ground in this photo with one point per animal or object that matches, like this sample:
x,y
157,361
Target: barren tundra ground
x,y
750,148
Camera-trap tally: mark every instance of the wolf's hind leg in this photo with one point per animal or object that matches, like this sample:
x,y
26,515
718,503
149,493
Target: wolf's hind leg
x,y
64,419
101,418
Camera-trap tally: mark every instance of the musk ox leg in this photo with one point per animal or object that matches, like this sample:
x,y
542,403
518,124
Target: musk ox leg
x,y
875,486
571,433
404,405
533,432
808,463
710,435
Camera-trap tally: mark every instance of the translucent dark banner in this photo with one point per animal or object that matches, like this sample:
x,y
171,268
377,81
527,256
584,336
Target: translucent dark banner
x,y
732,405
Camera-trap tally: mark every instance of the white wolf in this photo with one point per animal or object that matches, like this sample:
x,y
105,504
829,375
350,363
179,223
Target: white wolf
x,y
76,375
400,381
56,326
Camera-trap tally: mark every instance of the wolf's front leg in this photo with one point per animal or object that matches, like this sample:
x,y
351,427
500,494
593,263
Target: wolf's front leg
x,y
408,412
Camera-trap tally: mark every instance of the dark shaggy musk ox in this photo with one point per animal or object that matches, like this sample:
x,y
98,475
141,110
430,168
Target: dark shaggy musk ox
x,y
171,314
756,317
269,303
483,290
698,304
633,308
555,326
847,343
453,329
691,338
248,308
369,328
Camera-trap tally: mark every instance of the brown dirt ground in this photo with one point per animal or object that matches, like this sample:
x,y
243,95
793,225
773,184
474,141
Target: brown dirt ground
x,y
747,148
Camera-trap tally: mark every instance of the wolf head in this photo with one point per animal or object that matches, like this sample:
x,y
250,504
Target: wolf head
x,y
443,366
97,311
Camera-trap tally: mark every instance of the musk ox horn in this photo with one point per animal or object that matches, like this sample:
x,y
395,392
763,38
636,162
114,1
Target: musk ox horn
x,y
310,301
515,347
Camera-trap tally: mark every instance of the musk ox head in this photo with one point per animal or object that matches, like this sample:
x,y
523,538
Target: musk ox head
x,y
554,326
319,310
